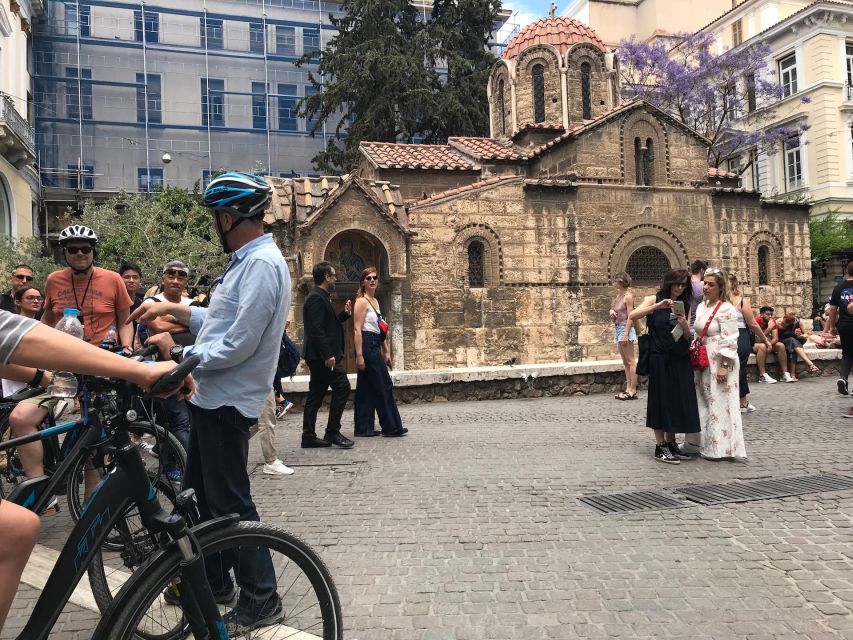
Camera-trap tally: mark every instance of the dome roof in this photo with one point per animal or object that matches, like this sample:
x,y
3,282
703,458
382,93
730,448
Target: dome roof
x,y
559,31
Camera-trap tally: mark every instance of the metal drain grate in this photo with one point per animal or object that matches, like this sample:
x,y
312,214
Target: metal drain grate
x,y
710,494
633,501
745,491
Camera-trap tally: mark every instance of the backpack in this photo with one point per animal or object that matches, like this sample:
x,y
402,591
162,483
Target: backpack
x,y
288,358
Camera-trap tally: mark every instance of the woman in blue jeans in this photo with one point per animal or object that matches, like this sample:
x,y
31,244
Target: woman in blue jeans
x,y
374,393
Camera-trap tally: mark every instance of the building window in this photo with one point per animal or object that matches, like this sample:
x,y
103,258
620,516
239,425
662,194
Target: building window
x,y
310,40
476,264
149,179
211,33
5,211
256,37
647,265
586,90
285,41
212,102
788,75
154,103
259,105
502,108
78,22
849,71
206,177
75,92
81,178
749,79
151,24
737,33
287,107
538,93
730,101
753,167
311,122
763,265
793,164
644,162
733,165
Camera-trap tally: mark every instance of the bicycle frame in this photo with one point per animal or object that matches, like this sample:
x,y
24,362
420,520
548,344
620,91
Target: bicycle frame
x,y
128,483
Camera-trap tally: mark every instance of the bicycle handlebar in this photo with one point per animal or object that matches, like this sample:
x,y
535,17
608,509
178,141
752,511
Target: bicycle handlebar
x,y
144,352
175,377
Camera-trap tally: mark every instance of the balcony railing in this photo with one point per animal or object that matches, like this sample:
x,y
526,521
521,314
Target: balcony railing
x,y
13,120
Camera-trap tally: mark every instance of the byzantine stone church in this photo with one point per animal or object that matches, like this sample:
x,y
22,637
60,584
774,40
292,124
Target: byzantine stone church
x,y
504,247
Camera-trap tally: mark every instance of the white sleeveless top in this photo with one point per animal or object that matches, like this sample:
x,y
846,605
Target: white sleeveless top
x,y
371,320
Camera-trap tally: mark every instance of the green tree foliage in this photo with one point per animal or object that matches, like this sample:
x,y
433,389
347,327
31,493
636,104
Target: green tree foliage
x,y
169,225
830,235
31,251
391,75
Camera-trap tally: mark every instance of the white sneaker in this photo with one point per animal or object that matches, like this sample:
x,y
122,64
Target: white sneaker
x,y
787,377
277,468
768,379
749,408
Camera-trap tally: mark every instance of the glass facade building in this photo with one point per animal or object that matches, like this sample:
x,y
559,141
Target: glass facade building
x,y
210,82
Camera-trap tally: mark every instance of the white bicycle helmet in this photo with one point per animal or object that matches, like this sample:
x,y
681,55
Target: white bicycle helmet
x,y
77,232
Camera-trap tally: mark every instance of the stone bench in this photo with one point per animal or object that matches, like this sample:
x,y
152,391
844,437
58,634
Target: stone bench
x,y
530,381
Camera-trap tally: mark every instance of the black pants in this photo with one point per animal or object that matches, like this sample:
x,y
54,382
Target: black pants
x,y
374,392
321,379
216,469
744,348
845,333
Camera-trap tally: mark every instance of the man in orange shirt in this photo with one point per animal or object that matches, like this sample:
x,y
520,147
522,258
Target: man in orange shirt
x,y
103,301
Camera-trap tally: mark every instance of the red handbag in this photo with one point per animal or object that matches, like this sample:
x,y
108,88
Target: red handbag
x,y
698,352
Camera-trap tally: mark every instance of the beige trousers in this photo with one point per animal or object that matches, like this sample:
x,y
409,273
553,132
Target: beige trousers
x,y
266,428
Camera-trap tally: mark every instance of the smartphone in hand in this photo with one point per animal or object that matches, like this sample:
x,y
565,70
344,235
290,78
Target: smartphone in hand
x,y
678,308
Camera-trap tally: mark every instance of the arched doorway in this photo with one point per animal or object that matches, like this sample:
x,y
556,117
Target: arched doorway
x,y
351,251
5,209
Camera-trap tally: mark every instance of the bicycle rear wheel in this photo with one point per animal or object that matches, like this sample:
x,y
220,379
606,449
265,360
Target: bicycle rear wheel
x,y
310,608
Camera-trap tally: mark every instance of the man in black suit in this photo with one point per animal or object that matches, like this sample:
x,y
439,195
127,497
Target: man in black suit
x,y
324,352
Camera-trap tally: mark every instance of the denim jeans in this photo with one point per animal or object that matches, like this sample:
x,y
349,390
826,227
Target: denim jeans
x,y
216,469
178,418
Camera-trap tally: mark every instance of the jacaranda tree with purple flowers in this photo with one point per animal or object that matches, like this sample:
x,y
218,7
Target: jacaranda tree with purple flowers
x,y
729,98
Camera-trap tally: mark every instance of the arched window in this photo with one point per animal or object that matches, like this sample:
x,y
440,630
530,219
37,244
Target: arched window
x,y
649,163
538,93
502,107
476,264
638,162
763,265
647,265
5,212
586,91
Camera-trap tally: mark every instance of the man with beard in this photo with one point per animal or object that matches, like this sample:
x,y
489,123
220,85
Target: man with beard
x,y
324,353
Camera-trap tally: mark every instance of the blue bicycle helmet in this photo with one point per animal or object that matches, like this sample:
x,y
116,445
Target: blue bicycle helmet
x,y
243,194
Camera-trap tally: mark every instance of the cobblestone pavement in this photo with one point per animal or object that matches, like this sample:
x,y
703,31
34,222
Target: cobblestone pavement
x,y
470,527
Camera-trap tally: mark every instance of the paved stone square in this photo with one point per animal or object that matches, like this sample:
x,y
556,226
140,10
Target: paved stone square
x,y
470,527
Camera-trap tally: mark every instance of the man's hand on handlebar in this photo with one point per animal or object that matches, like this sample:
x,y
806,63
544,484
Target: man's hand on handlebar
x,y
163,342
156,370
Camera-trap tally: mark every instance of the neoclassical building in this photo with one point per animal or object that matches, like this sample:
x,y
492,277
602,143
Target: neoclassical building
x,y
501,247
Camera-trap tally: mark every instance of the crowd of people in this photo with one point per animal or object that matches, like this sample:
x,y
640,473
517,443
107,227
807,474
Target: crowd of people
x,y
705,401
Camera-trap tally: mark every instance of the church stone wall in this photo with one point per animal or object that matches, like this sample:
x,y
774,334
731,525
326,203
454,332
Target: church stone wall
x,y
414,184
524,311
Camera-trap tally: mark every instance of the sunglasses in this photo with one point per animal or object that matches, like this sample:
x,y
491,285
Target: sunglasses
x,y
713,271
33,298
371,278
174,273
22,277
84,250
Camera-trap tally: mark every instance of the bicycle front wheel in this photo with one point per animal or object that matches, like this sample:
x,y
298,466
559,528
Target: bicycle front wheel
x,y
291,595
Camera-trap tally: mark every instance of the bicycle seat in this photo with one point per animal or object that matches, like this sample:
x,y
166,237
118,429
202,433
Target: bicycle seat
x,y
24,394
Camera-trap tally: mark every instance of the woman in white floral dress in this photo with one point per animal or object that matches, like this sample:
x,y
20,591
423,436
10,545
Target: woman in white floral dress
x,y
717,386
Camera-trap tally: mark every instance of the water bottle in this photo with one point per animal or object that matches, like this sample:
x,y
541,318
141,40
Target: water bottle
x,y
70,323
64,384
110,339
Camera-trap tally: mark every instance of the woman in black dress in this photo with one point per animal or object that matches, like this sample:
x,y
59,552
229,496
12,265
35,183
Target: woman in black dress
x,y
672,406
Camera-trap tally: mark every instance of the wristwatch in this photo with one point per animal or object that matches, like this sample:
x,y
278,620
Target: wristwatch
x,y
176,353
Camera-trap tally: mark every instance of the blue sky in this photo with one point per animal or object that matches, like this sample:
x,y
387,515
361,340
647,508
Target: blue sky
x,y
526,11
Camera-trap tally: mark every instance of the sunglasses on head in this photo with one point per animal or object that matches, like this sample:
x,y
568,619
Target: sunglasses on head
x,y
22,277
84,250
371,277
713,271
174,273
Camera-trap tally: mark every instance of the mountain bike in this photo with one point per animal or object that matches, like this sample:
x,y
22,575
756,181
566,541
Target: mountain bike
x,y
199,576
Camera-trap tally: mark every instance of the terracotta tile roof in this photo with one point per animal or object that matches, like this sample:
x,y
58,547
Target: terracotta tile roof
x,y
487,148
559,31
384,195
388,155
714,172
488,182
541,126
299,196
549,182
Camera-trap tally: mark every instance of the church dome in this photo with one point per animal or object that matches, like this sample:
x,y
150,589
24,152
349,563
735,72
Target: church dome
x,y
558,31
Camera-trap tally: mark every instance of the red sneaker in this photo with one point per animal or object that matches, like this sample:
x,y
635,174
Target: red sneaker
x,y
848,413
